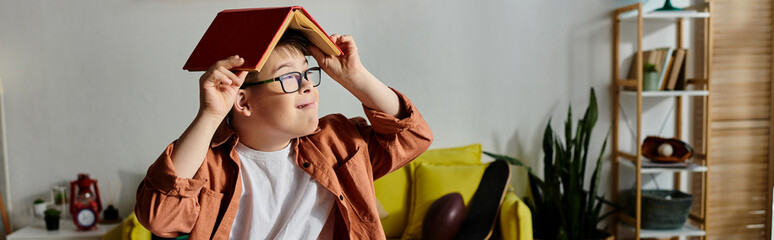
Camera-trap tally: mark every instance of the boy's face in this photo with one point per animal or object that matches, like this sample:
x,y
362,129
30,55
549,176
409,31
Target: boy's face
x,y
283,114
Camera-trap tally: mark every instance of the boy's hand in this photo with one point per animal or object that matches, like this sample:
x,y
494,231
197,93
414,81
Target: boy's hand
x,y
219,87
348,71
343,67
218,90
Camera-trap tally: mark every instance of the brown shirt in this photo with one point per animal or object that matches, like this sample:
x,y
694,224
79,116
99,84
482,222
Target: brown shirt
x,y
343,155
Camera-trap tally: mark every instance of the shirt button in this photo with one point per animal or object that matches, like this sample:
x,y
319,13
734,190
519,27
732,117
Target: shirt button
x,y
341,197
306,165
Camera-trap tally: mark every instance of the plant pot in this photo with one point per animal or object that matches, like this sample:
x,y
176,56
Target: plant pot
x,y
662,209
650,82
52,223
39,208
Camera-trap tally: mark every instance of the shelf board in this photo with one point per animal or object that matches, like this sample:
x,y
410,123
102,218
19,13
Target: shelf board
x,y
686,231
665,15
681,93
662,168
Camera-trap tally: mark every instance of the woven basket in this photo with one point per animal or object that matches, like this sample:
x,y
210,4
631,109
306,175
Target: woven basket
x,y
681,150
658,212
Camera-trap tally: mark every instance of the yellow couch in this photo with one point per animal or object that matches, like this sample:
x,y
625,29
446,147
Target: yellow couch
x,y
406,194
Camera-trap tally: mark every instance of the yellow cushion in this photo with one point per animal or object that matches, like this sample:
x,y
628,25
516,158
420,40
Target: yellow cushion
x,y
135,230
525,219
509,217
515,218
434,181
392,191
130,229
113,234
470,154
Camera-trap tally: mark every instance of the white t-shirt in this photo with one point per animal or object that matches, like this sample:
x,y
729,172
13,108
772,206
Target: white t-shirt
x,y
279,200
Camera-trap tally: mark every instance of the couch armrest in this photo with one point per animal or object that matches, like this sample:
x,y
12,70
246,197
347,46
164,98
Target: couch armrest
x,y
515,218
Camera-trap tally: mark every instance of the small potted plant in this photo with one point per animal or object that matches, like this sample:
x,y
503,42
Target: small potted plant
x,y
39,206
52,219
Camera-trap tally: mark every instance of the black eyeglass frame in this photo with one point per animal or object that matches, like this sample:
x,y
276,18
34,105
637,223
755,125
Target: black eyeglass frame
x,y
279,79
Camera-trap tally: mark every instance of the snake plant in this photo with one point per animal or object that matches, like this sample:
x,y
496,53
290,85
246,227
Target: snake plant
x,y
561,207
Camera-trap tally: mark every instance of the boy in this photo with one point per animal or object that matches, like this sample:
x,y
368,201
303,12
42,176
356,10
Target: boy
x,y
257,163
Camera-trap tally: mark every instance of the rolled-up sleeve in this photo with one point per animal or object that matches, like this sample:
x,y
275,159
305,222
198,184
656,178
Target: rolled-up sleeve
x,y
394,142
168,205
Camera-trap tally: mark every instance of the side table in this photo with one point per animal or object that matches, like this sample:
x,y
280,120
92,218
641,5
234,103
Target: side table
x,y
67,230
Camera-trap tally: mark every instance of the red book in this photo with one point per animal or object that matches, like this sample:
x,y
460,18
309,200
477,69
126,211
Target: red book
x,y
252,34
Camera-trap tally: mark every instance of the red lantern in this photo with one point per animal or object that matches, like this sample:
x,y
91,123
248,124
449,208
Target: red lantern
x,y
86,205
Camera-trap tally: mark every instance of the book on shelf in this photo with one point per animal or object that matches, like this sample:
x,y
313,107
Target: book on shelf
x,y
676,79
658,57
670,65
252,34
664,77
665,58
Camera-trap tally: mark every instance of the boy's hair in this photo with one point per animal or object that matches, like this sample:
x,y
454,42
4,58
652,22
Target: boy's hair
x,y
291,42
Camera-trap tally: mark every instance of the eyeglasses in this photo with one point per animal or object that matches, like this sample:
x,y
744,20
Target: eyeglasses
x,y
291,82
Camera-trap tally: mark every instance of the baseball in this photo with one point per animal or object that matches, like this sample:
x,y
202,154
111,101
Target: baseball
x,y
665,150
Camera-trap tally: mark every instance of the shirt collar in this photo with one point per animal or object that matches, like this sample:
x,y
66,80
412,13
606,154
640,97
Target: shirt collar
x,y
225,132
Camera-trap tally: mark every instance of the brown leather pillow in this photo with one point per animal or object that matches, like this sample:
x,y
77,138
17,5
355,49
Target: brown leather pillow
x,y
444,218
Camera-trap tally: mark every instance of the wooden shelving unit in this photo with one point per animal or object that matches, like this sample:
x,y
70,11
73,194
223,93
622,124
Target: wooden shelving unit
x,y
635,162
687,230
686,93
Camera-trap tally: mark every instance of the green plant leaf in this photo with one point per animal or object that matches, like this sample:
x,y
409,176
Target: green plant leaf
x,y
589,120
568,129
595,212
548,140
597,170
609,203
509,159
648,67
590,117
561,207
52,212
575,160
535,185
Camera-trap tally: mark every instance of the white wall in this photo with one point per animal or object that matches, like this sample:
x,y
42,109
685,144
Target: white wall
x,y
96,86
